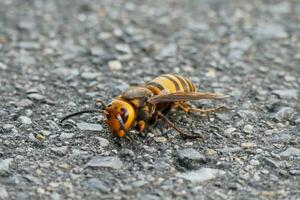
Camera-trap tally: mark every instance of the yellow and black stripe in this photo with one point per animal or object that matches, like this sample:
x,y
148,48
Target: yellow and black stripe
x,y
170,83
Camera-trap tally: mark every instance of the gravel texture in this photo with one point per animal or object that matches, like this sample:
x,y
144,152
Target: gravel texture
x,y
58,56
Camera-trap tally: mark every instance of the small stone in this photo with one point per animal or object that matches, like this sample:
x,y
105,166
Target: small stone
x,y
295,172
3,66
190,158
26,25
285,113
272,163
102,141
96,51
139,183
64,166
161,165
210,152
127,153
4,166
286,94
89,75
8,127
201,175
270,31
25,103
26,60
290,152
268,194
55,196
115,65
169,50
39,136
25,120
66,73
280,8
248,145
254,162
3,193
229,131
279,138
230,150
45,132
40,190
66,136
106,162
247,114
36,96
297,120
123,48
160,139
89,127
211,73
29,45
60,151
241,45
248,129
98,184
32,179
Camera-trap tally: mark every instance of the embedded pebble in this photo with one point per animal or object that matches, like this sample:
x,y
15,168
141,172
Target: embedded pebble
x,y
4,166
89,127
29,45
60,151
168,50
3,193
3,66
247,145
160,139
190,158
98,184
271,31
8,127
102,141
287,93
230,150
290,152
36,96
285,113
66,136
271,162
115,65
229,131
248,129
106,162
201,175
89,75
279,138
295,172
25,120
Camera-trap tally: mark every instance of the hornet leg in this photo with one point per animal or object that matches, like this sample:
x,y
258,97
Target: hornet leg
x,y
141,125
170,124
187,108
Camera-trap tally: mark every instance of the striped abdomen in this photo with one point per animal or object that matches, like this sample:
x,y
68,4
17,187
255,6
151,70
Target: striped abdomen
x,y
170,83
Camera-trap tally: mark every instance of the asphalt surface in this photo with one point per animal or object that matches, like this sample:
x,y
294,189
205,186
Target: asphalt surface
x,y
57,57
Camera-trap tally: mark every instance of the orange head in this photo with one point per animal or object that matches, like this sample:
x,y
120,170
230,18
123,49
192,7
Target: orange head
x,y
120,116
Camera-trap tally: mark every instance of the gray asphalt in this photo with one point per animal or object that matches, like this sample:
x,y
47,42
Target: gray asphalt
x,y
59,56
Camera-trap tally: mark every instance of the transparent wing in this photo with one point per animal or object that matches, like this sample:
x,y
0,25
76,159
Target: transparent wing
x,y
184,96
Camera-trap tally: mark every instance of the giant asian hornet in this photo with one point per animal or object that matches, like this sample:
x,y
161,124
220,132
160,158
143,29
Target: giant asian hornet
x,y
141,106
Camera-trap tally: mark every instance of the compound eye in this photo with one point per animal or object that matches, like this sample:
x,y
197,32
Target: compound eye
x,y
124,114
